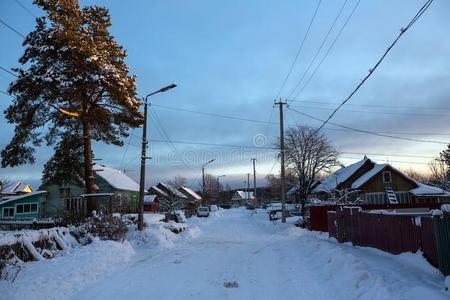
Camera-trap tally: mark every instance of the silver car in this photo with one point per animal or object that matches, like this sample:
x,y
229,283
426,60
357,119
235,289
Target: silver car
x,y
202,211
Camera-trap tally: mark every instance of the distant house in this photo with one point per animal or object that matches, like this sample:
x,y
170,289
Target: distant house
x,y
293,195
110,183
27,206
242,196
379,183
166,192
151,203
194,199
18,189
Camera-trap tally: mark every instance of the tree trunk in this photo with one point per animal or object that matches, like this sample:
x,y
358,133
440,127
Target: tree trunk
x,y
89,178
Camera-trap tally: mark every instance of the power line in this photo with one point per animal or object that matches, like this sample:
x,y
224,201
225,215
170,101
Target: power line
x,y
212,114
367,131
387,154
299,49
377,112
276,123
371,105
329,49
389,161
319,49
8,71
11,28
402,31
25,8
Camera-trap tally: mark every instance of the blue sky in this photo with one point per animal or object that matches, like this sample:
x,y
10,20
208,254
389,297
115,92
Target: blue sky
x,y
230,58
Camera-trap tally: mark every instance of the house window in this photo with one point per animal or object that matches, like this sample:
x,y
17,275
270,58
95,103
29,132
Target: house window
x,y
8,212
26,208
387,177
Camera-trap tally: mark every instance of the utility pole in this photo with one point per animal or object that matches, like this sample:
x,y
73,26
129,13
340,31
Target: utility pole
x,y
144,156
248,186
283,194
254,177
142,178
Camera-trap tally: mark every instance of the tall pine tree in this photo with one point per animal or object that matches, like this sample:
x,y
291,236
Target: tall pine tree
x,y
73,87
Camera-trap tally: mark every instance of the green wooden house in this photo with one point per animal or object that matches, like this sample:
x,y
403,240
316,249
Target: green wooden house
x,y
112,184
27,206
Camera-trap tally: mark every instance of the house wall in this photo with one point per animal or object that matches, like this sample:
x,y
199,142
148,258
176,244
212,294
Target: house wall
x,y
55,204
398,183
34,199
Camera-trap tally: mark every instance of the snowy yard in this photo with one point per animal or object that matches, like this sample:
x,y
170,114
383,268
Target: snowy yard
x,y
233,254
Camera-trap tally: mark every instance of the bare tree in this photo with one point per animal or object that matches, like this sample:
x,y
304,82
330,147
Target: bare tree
x,y
415,175
309,154
4,184
178,181
171,204
439,173
274,183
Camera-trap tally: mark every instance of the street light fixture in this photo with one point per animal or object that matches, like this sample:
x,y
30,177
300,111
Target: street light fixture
x,y
203,179
144,156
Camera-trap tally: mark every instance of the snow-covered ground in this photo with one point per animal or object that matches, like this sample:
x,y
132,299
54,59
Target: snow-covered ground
x,y
233,254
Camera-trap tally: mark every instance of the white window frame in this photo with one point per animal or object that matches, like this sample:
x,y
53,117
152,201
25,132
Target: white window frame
x,y
30,212
7,217
390,177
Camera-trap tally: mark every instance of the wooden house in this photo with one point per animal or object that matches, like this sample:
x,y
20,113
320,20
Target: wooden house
x,y
240,198
27,206
374,183
194,200
18,189
151,203
111,184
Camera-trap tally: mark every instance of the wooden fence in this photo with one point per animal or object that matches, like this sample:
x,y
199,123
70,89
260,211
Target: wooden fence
x,y
394,233
319,220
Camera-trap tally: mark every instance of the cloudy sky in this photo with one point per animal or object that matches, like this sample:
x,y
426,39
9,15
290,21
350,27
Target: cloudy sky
x,y
230,58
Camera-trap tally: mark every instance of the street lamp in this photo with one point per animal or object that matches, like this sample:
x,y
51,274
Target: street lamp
x,y
203,179
144,156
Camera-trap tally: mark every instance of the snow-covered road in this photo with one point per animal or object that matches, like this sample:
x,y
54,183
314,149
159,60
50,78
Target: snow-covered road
x,y
255,258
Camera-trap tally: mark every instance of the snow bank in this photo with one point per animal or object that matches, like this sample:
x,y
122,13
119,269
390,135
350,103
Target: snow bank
x,y
63,276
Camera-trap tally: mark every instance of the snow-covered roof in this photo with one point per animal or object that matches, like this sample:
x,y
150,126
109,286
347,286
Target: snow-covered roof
x,y
292,191
239,195
191,192
149,198
21,187
338,177
428,190
159,191
368,175
173,190
116,178
14,198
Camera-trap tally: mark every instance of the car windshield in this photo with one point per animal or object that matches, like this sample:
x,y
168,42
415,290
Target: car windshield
x,y
203,209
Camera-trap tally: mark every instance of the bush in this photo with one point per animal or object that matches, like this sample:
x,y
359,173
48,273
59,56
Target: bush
x,y
104,227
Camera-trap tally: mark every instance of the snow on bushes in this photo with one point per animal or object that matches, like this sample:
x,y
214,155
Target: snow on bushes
x,y
104,227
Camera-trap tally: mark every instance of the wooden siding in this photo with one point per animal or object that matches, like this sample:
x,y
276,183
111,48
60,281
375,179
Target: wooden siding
x,y
33,199
398,183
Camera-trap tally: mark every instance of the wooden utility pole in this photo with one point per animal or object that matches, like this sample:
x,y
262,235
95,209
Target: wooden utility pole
x,y
254,177
248,186
283,193
142,176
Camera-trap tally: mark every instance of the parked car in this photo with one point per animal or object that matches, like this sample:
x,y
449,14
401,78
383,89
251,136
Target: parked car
x,y
202,211
213,208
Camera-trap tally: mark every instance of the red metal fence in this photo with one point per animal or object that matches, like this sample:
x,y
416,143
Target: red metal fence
x,y
390,233
319,220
